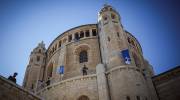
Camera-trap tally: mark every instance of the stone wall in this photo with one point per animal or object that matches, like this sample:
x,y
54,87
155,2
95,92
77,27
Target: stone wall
x,y
114,77
127,82
11,91
168,84
68,53
72,89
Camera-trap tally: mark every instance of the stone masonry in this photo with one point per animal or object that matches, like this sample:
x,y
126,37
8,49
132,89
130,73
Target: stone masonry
x,y
56,73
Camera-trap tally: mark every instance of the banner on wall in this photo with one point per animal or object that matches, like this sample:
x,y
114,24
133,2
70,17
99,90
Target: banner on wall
x,y
60,69
126,56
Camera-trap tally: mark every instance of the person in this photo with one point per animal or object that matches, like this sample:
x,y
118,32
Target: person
x,y
48,81
84,70
13,78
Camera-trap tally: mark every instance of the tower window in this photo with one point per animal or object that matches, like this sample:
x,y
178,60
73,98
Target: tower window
x,y
81,34
108,38
128,98
138,97
113,16
38,58
129,40
110,9
39,51
133,43
59,43
105,18
94,32
69,38
87,33
118,34
83,56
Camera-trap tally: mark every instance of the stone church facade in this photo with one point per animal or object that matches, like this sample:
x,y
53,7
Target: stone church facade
x,y
99,47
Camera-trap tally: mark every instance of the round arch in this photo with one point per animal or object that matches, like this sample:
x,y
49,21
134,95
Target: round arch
x,y
80,48
78,51
83,97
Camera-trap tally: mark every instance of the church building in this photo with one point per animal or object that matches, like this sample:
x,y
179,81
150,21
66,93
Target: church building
x,y
100,61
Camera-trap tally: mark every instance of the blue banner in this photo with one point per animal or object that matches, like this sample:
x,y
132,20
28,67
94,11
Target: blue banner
x,y
61,70
126,56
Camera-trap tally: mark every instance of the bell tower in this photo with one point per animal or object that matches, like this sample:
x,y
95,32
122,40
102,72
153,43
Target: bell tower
x,y
35,69
112,36
122,78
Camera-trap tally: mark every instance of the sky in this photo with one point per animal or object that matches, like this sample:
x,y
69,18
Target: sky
x,y
25,23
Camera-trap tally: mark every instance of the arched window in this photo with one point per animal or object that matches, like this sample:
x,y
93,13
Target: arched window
x,y
105,18
94,32
69,38
129,40
39,51
83,98
118,34
83,56
138,97
133,43
108,38
81,34
87,33
76,36
128,98
113,16
59,43
38,58
55,47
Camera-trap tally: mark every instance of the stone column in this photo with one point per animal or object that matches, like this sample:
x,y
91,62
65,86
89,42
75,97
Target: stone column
x,y
102,83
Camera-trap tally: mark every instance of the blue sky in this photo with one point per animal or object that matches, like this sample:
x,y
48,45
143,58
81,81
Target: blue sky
x,y
25,23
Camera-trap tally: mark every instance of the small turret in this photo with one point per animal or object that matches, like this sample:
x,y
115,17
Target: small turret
x,y
35,69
